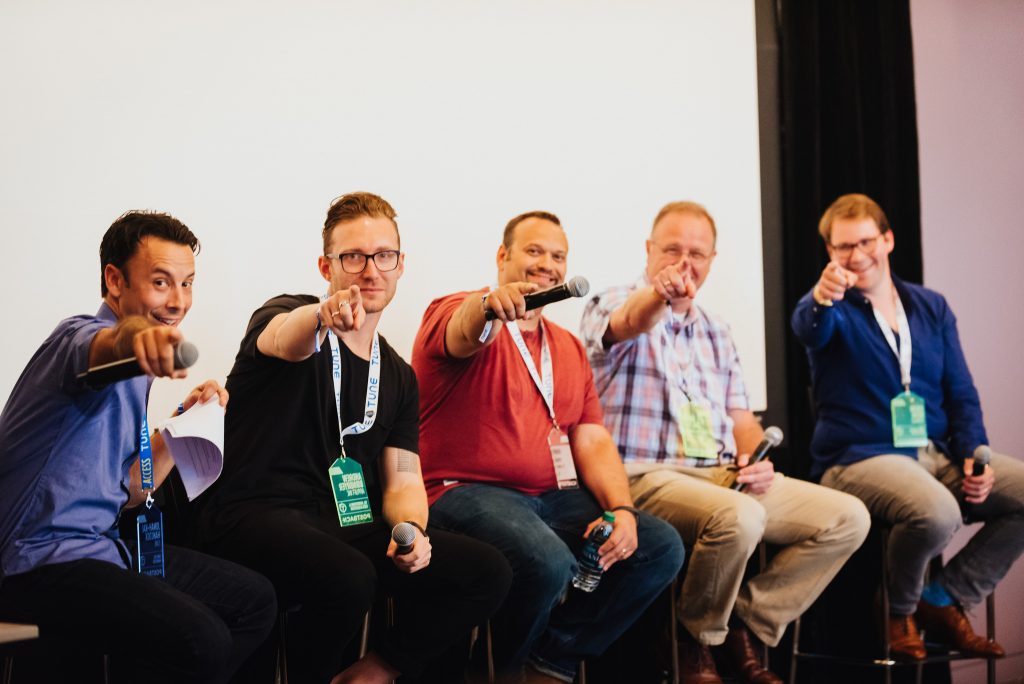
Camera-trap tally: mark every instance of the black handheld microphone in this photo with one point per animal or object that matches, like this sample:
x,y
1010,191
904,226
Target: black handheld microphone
x,y
772,438
982,455
574,287
185,354
404,535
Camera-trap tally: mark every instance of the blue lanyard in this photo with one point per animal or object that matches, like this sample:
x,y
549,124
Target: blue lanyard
x,y
146,462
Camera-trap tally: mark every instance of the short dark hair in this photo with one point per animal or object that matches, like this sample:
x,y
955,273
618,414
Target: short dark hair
x,y
356,205
122,239
510,229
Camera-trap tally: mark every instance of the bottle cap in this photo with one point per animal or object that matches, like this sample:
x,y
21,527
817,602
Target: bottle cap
x,y
608,517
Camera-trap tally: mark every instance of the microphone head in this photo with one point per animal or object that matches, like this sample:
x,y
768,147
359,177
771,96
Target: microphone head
x,y
185,354
982,455
404,534
773,435
577,286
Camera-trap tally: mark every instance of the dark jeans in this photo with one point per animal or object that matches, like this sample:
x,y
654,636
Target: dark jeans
x,y
331,574
541,537
198,624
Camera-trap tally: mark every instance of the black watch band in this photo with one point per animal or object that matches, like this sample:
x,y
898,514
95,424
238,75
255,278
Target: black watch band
x,y
631,509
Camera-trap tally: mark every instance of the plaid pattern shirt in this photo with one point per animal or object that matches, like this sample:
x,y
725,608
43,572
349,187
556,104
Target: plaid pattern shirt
x,y
643,382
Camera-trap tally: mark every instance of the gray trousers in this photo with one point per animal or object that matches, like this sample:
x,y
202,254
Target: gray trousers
x,y
819,527
920,500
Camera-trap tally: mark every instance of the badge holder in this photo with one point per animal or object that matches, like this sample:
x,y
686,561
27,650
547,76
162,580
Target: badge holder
x,y
695,428
349,488
561,457
909,420
149,539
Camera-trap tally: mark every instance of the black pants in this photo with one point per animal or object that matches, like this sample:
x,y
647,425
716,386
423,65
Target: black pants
x,y
332,574
197,624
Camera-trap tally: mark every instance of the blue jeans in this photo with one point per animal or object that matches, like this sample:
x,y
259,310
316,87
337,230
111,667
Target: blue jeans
x,y
541,537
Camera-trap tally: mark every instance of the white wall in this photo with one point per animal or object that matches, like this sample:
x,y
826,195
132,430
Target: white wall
x,y
244,119
969,72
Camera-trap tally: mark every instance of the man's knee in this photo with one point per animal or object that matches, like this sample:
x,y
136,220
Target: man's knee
x,y
938,525
543,571
739,525
848,521
660,543
199,647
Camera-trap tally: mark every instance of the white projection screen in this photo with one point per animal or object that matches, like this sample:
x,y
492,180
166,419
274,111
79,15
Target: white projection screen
x,y
244,120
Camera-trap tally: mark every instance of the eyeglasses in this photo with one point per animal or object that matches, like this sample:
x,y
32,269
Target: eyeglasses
x,y
865,245
355,262
695,257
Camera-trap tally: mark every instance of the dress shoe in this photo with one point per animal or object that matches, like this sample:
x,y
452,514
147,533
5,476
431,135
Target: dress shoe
x,y
904,640
949,625
743,650
696,663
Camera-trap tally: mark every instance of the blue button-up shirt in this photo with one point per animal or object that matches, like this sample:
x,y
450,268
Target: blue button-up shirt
x,y
65,453
856,374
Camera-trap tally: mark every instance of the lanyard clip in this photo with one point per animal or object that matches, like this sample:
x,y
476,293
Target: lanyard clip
x,y
149,499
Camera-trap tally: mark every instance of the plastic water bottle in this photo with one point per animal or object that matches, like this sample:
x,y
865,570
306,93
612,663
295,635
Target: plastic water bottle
x,y
588,567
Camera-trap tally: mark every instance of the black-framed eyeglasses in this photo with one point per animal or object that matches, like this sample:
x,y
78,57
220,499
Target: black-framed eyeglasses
x,y
355,262
865,246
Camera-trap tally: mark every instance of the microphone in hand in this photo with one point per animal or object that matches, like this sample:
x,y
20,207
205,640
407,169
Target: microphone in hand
x,y
772,438
404,536
574,287
982,456
185,355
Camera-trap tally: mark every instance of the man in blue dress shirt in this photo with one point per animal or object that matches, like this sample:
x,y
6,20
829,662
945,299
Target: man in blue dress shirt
x,y
70,464
899,423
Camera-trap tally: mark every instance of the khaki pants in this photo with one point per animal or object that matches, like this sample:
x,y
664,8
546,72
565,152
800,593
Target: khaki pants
x,y
920,499
819,527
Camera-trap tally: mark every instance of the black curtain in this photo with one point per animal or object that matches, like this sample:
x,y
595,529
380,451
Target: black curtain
x,y
848,124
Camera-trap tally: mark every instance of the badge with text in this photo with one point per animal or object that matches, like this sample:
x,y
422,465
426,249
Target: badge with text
x,y
695,427
149,542
349,489
909,428
561,456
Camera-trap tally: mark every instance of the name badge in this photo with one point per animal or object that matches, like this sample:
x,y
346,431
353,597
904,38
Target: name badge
x,y
695,428
561,456
149,542
349,489
909,426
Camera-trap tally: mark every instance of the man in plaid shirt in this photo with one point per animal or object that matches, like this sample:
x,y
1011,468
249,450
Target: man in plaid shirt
x,y
670,383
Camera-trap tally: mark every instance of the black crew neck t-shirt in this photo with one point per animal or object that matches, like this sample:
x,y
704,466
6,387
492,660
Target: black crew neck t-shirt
x,y
281,430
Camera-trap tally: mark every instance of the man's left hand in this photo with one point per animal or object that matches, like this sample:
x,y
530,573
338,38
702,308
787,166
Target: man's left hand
x,y
415,560
204,393
977,487
623,541
758,477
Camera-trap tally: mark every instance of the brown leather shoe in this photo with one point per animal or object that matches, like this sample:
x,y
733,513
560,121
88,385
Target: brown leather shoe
x,y
695,661
904,640
949,625
742,649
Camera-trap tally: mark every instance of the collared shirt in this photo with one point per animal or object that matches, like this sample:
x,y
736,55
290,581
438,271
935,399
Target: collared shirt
x,y
632,377
65,453
855,375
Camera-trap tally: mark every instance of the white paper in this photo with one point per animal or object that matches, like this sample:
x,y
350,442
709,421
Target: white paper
x,y
196,441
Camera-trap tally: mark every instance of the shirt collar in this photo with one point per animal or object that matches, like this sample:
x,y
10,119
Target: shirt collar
x,y
106,313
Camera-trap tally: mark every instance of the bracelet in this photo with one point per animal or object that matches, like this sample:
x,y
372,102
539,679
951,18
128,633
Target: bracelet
x,y
418,527
631,509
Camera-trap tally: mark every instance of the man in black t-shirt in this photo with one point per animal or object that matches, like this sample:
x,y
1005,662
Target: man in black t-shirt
x,y
322,405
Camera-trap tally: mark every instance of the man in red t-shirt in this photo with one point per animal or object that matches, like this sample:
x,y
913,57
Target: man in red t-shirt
x,y
509,424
